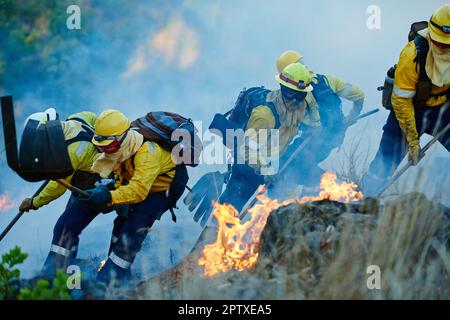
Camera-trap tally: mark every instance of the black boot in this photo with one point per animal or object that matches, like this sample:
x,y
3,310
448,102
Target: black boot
x,y
54,262
111,272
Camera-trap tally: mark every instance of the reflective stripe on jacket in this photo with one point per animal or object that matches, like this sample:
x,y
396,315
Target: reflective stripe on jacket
x,y
406,78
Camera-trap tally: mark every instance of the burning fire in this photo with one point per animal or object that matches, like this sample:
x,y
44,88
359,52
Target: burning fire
x,y
6,203
237,243
332,190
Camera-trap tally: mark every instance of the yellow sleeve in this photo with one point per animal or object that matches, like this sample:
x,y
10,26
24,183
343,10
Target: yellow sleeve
x,y
345,90
349,92
312,115
147,166
406,77
261,118
54,190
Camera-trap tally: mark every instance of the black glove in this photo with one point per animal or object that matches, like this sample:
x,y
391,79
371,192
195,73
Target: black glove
x,y
98,197
27,205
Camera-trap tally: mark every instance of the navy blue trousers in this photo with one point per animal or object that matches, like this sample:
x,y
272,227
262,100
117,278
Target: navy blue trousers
x,y
393,145
242,184
128,234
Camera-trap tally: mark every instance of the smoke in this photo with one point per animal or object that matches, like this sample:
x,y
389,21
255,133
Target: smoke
x,y
5,202
190,57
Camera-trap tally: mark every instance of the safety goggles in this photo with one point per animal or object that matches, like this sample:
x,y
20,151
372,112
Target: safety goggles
x,y
300,85
291,94
114,146
99,138
445,29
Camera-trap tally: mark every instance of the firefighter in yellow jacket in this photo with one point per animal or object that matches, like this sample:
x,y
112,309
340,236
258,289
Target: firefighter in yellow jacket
x,y
143,173
420,99
78,131
343,89
324,119
282,110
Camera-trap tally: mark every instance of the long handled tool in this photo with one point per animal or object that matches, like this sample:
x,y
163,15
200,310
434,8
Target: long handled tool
x,y
401,171
210,232
9,132
72,188
19,215
252,201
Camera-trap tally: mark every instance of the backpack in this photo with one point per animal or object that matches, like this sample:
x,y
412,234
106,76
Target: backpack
x,y
423,86
83,180
330,111
164,127
43,150
238,116
247,100
160,127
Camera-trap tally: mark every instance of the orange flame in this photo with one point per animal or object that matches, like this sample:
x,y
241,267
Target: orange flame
x,y
332,190
6,202
236,246
102,264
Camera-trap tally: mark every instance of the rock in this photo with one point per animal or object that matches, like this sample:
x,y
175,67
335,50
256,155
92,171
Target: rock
x,y
323,250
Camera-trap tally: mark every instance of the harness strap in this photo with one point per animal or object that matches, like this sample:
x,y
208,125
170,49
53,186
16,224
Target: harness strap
x,y
85,135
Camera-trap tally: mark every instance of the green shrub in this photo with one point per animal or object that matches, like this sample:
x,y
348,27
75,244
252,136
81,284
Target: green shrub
x,y
10,285
9,274
42,291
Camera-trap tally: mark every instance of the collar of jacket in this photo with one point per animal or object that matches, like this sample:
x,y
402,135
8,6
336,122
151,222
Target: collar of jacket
x,y
438,62
104,164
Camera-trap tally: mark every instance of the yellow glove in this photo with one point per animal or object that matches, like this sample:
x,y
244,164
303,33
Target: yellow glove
x,y
414,152
27,205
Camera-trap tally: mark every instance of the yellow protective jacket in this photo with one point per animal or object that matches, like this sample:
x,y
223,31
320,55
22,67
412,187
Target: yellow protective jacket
x,y
149,170
81,155
262,117
344,90
406,78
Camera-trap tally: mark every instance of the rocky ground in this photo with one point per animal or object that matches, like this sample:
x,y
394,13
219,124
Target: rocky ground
x,y
322,250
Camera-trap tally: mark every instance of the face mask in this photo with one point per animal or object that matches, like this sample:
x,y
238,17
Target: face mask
x,y
111,148
114,146
290,94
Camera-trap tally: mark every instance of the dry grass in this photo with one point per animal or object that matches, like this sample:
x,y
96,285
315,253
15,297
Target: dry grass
x,y
408,239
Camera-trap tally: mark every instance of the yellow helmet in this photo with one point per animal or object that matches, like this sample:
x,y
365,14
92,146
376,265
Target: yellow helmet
x,y
110,125
295,76
439,25
286,58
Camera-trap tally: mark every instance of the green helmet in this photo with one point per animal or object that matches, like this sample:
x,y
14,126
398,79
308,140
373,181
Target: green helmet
x,y
296,77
